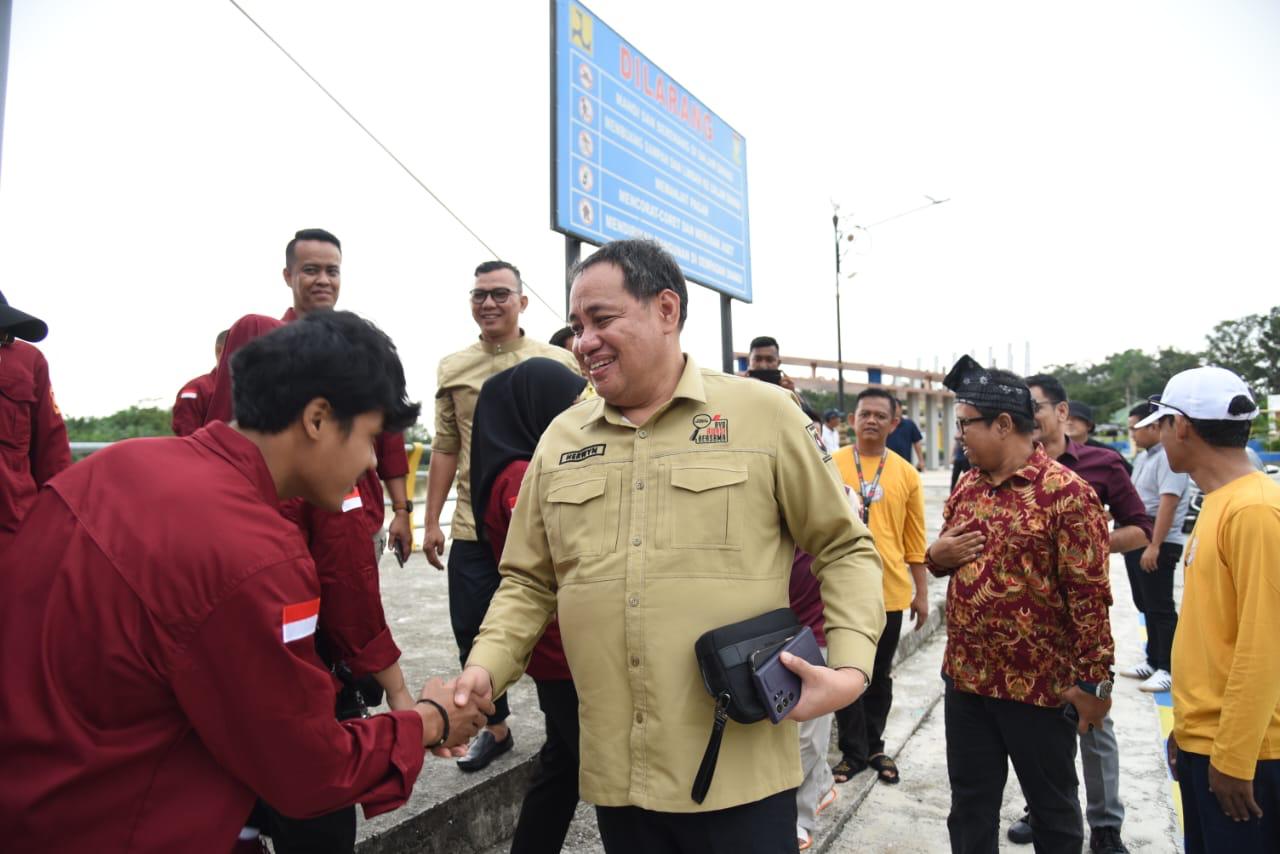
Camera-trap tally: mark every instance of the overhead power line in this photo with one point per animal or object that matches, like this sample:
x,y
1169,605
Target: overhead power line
x,y
383,146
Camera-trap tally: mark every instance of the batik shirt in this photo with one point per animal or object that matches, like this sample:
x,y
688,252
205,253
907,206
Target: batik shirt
x,y
1029,617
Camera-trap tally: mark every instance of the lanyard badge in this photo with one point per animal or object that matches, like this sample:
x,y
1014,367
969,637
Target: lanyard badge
x,y
868,491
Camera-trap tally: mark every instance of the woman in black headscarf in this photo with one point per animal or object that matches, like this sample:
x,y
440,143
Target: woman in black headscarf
x,y
514,409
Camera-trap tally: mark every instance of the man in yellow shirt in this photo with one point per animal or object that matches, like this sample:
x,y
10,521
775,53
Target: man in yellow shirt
x,y
893,508
496,305
1225,746
670,504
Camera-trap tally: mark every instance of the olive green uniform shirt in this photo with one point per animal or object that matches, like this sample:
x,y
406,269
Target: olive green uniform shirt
x,y
458,384
645,536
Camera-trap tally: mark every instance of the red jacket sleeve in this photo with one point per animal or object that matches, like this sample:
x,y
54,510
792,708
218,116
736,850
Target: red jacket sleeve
x,y
190,405
264,708
352,621
392,460
50,451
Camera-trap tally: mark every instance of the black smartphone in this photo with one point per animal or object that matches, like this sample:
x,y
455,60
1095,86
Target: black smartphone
x,y
399,548
777,687
769,375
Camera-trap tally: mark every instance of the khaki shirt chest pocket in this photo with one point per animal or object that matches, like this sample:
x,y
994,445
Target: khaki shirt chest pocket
x,y
582,514
703,504
17,402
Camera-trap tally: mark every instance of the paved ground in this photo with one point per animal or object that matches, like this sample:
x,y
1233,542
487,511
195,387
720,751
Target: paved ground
x,y
867,816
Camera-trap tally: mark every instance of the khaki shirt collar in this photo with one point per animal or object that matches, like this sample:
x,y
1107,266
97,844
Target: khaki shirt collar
x,y
505,347
689,387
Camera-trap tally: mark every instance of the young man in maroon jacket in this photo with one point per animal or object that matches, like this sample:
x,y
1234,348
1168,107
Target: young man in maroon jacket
x,y
156,640
192,402
352,632
33,439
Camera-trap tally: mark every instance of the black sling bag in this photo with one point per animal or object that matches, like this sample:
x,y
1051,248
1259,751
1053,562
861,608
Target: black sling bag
x,y
724,658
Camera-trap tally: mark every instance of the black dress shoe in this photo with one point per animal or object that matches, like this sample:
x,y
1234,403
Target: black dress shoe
x,y
484,749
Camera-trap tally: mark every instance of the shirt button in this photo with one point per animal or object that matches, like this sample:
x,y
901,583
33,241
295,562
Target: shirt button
x,y
635,541
639,717
635,661
633,601
643,434
639,484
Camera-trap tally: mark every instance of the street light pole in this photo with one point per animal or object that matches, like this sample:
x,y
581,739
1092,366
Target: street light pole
x,y
835,226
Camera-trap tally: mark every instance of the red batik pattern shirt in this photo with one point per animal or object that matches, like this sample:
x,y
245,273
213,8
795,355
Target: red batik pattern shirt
x,y
1029,617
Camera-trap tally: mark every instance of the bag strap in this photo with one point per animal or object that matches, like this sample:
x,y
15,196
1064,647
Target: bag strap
x,y
702,782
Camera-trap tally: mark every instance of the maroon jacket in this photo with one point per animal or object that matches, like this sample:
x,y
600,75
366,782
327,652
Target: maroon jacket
x,y
547,662
159,664
191,404
352,621
33,439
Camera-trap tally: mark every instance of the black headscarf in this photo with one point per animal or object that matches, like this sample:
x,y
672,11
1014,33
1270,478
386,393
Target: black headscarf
x,y
514,409
988,391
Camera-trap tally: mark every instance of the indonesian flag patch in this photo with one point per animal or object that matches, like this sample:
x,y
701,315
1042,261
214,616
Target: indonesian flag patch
x,y
351,501
299,621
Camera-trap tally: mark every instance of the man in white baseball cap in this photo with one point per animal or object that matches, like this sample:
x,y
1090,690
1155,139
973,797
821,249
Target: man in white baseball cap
x,y
1225,746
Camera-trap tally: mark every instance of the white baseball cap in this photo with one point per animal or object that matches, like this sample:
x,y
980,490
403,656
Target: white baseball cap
x,y
1204,394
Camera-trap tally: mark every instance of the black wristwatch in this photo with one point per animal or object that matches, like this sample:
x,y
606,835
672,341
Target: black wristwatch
x,y
407,507
1101,690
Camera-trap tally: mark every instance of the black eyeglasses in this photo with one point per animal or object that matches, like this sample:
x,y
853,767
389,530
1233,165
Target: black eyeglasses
x,y
962,423
500,295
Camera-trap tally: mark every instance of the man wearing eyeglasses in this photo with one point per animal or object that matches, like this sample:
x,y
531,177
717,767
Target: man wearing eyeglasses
x,y
1105,472
1029,649
496,304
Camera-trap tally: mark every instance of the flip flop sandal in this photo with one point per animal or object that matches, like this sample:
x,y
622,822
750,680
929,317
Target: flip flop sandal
x,y
846,770
826,801
886,768
804,839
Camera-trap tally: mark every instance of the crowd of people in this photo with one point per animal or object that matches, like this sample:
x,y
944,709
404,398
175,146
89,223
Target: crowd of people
x,y
196,669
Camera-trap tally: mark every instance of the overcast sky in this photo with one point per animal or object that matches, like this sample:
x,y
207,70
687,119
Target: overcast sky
x,y
1112,169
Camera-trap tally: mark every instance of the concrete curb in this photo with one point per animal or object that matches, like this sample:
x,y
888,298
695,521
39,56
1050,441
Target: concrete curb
x,y
471,820
828,832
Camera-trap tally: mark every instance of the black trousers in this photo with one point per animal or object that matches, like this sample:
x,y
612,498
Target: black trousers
x,y
1153,596
983,735
332,833
861,724
1207,828
473,579
766,826
552,798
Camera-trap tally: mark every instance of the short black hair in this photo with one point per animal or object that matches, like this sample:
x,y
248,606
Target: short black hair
x,y
1049,385
1222,433
221,339
647,270
1023,424
307,234
560,336
877,392
494,266
1142,410
336,355
764,341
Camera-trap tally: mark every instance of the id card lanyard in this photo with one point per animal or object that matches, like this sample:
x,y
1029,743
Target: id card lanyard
x,y
868,493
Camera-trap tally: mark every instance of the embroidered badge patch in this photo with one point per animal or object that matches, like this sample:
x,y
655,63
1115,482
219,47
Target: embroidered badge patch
x,y
815,433
708,430
582,454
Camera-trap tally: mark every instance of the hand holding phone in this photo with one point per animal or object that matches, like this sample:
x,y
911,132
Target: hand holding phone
x,y
777,687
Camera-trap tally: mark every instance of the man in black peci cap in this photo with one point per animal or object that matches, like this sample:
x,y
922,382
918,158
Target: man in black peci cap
x,y
33,439
1080,426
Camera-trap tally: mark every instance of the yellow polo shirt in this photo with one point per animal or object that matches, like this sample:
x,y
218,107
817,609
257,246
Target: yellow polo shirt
x,y
458,384
644,537
896,520
1226,670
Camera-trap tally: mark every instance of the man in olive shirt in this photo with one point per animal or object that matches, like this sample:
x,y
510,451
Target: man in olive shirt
x,y
496,305
669,505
